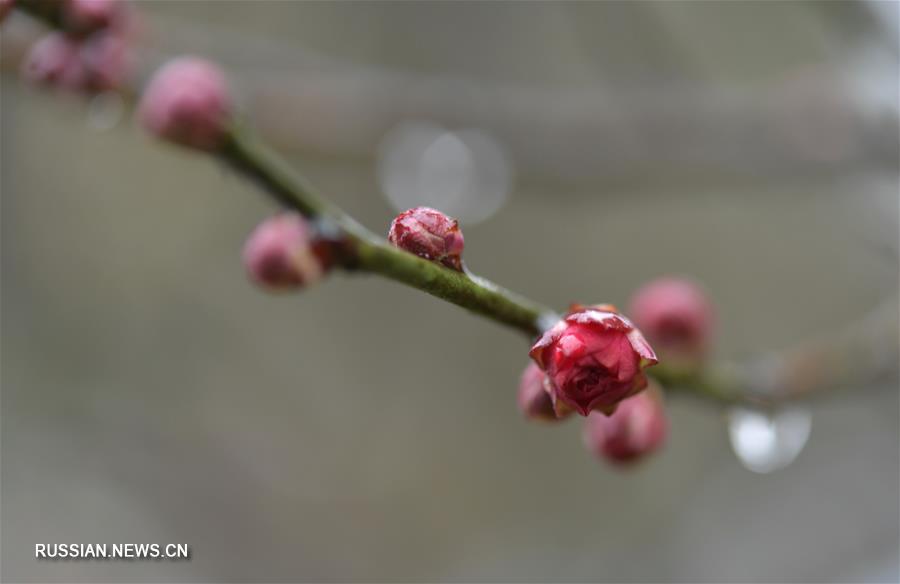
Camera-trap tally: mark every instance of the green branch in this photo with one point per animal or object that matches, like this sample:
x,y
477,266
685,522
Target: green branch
x,y
778,380
361,250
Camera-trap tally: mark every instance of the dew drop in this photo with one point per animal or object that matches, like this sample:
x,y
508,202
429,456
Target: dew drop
x,y
768,441
105,111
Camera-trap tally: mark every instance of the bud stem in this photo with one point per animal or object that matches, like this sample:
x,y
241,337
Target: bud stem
x,y
472,293
269,171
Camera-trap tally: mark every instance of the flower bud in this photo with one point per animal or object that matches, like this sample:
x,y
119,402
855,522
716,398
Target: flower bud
x,y
107,61
187,102
98,63
676,316
428,234
534,398
53,60
594,358
282,253
637,428
86,16
56,61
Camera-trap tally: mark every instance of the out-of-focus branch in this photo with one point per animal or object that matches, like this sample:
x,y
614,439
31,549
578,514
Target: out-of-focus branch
x,y
863,351
808,123
811,121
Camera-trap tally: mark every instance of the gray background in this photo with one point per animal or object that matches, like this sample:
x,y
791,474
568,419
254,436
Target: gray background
x,y
362,431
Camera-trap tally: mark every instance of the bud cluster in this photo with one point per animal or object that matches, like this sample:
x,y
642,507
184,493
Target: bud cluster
x,y
92,51
592,362
637,428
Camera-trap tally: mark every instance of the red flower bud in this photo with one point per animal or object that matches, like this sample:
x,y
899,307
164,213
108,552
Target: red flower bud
x,y
676,316
187,102
594,358
429,234
637,428
282,253
534,397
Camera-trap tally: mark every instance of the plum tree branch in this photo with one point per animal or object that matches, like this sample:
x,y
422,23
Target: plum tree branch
x,y
360,249
792,374
868,346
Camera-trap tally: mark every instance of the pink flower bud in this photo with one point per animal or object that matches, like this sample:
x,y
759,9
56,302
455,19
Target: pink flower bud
x,y
53,60
100,62
429,234
637,428
86,16
107,61
594,358
282,253
534,397
187,102
676,316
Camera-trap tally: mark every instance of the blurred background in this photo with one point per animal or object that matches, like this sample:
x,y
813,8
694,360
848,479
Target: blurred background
x,y
363,431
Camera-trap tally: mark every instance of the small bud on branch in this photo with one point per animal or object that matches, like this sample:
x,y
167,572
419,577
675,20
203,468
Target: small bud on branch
x,y
107,61
429,234
53,61
283,253
637,428
187,102
676,316
534,397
